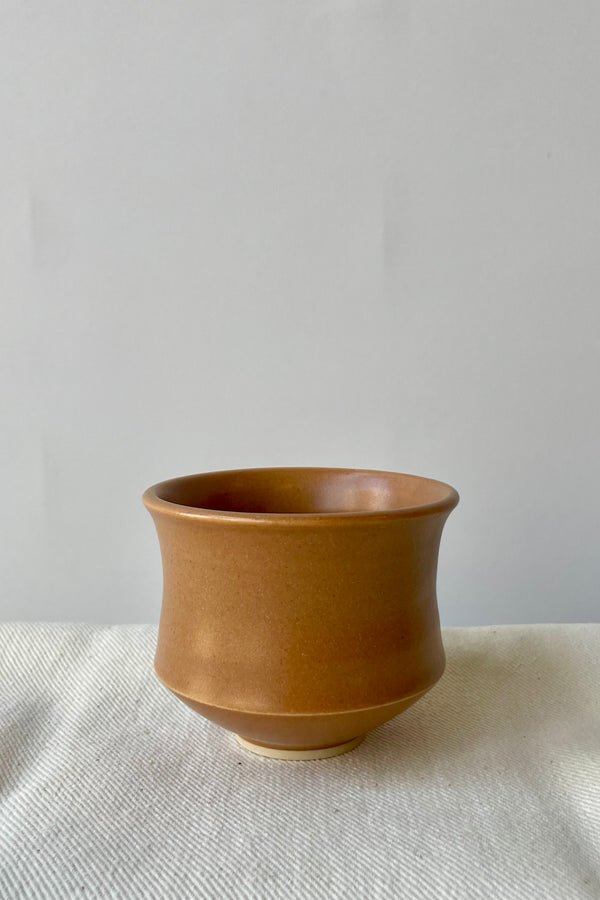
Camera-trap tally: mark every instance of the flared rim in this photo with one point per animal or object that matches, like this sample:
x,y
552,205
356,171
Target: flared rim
x,y
156,503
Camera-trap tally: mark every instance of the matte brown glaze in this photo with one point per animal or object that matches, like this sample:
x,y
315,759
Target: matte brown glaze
x,y
299,606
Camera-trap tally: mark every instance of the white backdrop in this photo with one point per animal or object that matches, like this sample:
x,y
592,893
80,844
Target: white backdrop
x,y
327,232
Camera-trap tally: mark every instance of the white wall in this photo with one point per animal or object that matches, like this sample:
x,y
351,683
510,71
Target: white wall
x,y
327,232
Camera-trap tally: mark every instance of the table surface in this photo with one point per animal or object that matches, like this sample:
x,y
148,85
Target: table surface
x,y
488,787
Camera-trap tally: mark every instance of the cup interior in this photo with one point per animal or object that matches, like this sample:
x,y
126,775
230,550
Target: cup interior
x,y
305,491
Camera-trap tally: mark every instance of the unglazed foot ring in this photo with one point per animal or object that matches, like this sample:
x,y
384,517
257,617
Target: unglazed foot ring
x,y
318,753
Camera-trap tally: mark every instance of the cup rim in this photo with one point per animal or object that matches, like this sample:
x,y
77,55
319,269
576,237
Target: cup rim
x,y
156,504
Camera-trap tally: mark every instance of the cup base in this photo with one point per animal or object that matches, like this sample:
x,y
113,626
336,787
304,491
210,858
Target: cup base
x,y
318,753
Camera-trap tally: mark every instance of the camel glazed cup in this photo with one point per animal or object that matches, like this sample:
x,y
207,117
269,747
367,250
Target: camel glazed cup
x,y
299,607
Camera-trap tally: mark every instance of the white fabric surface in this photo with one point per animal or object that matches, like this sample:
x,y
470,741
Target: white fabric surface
x,y
488,788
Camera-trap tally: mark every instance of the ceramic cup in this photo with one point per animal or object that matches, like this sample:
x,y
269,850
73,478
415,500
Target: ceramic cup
x,y
299,607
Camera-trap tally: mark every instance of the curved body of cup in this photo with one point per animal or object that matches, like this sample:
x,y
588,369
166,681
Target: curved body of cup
x,y
299,607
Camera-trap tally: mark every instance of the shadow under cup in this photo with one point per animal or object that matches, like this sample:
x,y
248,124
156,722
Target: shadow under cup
x,y
299,607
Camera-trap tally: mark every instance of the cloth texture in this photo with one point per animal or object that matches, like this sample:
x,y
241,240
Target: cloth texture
x,y
487,788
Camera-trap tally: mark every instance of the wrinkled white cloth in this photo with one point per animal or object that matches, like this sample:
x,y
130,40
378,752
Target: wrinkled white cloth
x,y
487,788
